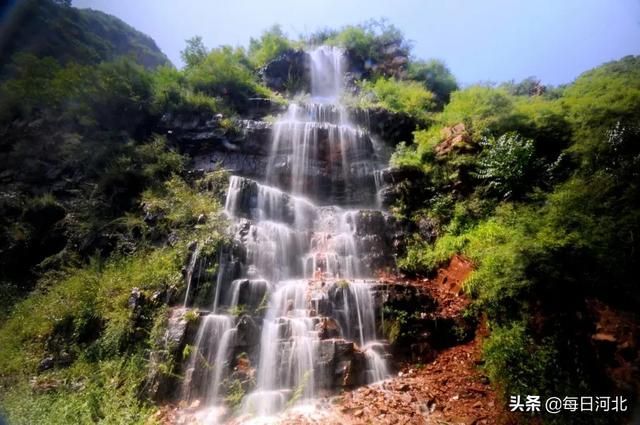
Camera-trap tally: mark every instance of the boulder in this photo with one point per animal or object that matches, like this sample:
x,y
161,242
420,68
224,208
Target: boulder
x,y
328,328
164,359
46,364
392,127
339,365
455,139
248,334
287,72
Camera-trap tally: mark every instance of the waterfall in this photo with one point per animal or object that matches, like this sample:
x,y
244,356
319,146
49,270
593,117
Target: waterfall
x,y
207,362
327,73
195,256
299,267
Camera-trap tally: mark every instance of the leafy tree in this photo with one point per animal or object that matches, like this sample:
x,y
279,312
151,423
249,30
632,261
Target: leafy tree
x,y
272,43
194,53
436,77
506,164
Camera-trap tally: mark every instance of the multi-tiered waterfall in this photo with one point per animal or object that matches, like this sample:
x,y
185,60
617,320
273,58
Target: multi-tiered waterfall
x,y
296,269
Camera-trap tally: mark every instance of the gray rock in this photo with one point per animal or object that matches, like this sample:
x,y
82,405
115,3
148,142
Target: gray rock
x,y
46,364
287,72
167,355
248,334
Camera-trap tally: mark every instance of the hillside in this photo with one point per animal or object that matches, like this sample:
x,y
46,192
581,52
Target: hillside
x,y
316,230
46,28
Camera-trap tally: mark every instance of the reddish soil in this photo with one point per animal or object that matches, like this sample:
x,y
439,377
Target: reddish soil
x,y
450,390
617,343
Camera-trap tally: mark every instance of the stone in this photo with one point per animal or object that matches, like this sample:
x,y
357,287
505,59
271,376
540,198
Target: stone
x,y
393,127
287,72
136,299
46,364
248,334
603,337
339,364
455,138
167,354
328,328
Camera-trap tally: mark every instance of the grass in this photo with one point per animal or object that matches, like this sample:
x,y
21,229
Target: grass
x,y
88,393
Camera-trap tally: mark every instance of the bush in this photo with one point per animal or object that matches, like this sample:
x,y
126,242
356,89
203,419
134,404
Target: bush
x,y
506,164
519,364
482,109
136,167
600,98
407,97
225,73
179,205
107,393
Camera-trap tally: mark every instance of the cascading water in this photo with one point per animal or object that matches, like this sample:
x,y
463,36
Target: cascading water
x,y
301,261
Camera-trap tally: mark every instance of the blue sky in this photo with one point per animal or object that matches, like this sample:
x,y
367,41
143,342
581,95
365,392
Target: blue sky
x,y
480,40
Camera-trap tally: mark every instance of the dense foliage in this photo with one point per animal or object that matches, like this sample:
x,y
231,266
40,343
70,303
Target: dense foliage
x,y
529,192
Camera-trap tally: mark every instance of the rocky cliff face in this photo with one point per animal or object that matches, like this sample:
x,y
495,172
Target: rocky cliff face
x,y
243,148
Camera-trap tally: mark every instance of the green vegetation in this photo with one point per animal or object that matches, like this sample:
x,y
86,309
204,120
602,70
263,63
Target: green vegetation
x,y
85,320
47,28
235,393
541,193
84,394
398,324
271,44
408,97
437,78
505,164
225,74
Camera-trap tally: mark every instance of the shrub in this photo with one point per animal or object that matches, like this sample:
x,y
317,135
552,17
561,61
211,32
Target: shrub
x,y
482,109
506,164
179,205
407,97
517,363
436,77
225,73
600,98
